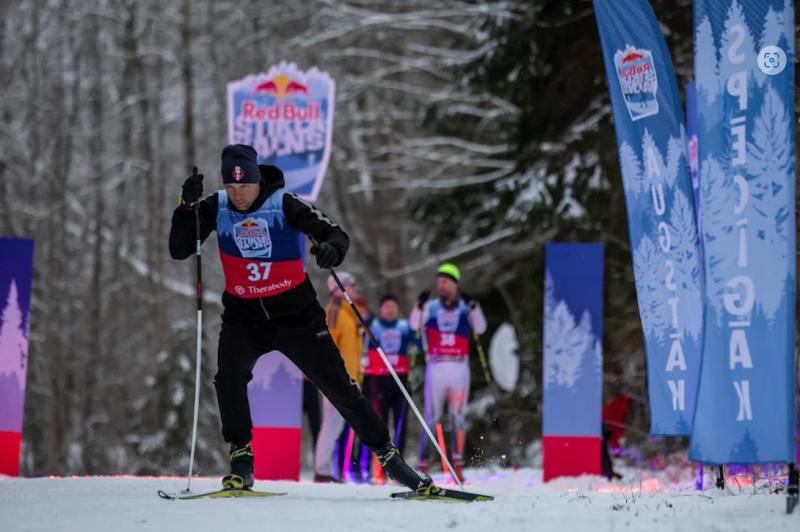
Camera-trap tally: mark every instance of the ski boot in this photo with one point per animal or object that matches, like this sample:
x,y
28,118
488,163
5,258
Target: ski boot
x,y
242,470
398,470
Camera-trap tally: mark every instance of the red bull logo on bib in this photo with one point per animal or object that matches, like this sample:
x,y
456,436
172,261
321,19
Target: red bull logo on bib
x,y
637,78
286,114
252,238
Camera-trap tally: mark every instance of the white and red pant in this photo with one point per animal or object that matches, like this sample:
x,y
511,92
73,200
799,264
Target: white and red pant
x,y
446,382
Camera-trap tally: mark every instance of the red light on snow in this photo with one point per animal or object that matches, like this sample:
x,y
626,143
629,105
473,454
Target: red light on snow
x,y
740,481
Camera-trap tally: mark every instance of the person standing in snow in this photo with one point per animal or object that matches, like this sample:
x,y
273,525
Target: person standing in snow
x,y
270,303
395,336
446,325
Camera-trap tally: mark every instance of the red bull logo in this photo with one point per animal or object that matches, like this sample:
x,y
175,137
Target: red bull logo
x,y
286,114
252,238
637,79
286,111
632,56
281,87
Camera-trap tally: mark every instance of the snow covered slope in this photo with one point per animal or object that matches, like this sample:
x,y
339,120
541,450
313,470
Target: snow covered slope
x,y
523,504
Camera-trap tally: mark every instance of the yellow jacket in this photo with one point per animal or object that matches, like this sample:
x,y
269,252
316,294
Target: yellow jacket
x,y
346,333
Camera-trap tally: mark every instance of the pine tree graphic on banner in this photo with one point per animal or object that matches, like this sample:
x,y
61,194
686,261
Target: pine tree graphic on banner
x,y
769,167
737,35
707,67
566,341
676,152
631,169
716,194
13,342
649,272
683,230
773,28
746,451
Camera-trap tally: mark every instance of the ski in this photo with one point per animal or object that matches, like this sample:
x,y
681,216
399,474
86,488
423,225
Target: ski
x,y
220,494
442,495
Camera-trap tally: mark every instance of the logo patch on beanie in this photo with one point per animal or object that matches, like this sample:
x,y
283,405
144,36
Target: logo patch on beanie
x,y
238,173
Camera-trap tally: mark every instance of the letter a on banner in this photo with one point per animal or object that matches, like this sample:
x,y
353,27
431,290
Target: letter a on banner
x,y
16,273
651,136
744,67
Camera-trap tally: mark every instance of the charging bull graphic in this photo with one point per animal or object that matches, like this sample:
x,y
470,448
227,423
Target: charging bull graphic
x,y
286,114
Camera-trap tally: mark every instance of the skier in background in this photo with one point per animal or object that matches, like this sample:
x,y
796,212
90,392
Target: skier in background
x,y
446,325
394,336
270,303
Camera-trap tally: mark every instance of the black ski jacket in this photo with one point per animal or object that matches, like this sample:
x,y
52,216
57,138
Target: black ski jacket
x,y
300,215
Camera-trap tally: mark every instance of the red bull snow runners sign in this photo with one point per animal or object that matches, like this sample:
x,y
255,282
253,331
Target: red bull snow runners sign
x,y
286,114
638,81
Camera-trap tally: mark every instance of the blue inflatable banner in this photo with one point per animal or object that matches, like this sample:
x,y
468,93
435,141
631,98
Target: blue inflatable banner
x,y
651,136
744,68
286,114
16,281
573,359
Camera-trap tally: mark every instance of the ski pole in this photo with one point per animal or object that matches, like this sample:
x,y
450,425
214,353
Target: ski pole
x,y
482,356
377,346
199,340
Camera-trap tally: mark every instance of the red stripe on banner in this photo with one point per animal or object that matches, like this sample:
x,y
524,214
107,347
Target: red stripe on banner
x,y
277,453
571,456
10,443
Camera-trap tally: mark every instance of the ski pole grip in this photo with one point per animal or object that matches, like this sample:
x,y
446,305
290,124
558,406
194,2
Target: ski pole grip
x,y
314,244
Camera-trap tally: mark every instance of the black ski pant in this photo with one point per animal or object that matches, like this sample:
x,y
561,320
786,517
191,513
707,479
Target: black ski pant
x,y
312,410
305,340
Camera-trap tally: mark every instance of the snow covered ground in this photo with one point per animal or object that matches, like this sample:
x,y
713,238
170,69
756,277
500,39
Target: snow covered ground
x,y
523,504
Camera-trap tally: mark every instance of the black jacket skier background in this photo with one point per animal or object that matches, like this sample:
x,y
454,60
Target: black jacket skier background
x,y
301,216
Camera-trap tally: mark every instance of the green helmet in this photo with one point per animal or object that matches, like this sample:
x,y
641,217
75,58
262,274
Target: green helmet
x,y
450,270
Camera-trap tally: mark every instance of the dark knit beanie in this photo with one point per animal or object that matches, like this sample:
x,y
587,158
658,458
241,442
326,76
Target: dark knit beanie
x,y
389,297
240,165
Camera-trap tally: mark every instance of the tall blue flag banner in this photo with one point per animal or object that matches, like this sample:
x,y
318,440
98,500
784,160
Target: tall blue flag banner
x,y
286,114
744,67
573,359
648,117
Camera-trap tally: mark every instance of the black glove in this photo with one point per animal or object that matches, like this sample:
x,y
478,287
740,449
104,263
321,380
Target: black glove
x,y
469,300
423,297
327,255
192,189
